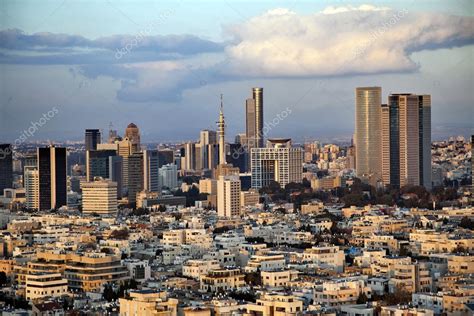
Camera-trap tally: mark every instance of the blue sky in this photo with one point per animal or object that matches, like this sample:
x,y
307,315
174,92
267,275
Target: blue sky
x,y
308,55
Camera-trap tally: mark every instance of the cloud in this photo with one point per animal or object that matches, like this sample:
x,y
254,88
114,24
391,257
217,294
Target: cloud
x,y
340,41
53,48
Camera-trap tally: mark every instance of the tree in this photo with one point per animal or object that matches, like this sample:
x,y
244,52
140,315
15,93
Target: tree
x,y
3,278
467,223
399,296
121,234
253,278
362,299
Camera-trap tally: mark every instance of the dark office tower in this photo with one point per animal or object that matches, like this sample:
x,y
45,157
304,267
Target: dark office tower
x,y
150,170
424,107
6,167
97,163
254,119
135,176
236,156
390,143
52,177
165,157
92,139
133,134
115,173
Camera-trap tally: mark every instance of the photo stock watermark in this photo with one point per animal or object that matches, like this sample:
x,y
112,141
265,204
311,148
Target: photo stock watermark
x,y
30,131
140,36
379,31
267,127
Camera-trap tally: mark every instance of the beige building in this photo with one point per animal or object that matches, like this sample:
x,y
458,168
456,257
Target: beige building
x,y
326,257
275,305
267,262
195,268
228,196
148,303
249,198
340,292
326,183
45,285
99,197
413,277
222,280
91,271
208,186
31,184
459,264
278,278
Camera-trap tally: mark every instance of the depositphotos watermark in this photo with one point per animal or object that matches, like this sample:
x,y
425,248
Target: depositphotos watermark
x,y
267,127
30,131
379,31
140,36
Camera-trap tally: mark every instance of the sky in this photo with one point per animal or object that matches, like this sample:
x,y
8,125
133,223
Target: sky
x,y
70,65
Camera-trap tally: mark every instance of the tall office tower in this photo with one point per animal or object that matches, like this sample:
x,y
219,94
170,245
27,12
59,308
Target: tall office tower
x,y
124,150
189,159
207,137
278,162
168,176
92,138
133,134
368,133
425,140
6,167
254,119
31,184
150,171
97,163
165,157
236,157
212,156
221,131
99,197
135,176
52,178
115,173
113,135
228,196
402,141
198,157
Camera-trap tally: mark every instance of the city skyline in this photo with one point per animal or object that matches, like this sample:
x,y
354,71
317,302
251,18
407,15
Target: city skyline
x,y
168,83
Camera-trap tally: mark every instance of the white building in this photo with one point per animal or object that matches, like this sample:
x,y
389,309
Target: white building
x,y
168,176
31,187
138,269
99,197
278,162
195,268
228,196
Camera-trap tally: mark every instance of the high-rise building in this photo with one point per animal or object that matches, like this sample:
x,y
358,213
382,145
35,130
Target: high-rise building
x,y
221,131
92,138
97,163
124,150
99,197
206,139
189,159
168,176
228,196
31,184
150,170
406,140
52,178
425,140
254,119
279,162
6,167
135,176
368,133
165,157
133,134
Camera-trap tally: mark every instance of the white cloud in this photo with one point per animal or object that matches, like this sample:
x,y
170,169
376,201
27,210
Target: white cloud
x,y
340,40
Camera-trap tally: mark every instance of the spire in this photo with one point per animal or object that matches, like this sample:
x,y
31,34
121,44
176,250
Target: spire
x,y
221,130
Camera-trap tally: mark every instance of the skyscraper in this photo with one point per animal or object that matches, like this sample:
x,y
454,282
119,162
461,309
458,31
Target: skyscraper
x,y
97,163
221,131
133,134
150,171
254,119
207,138
31,187
92,138
168,176
368,133
52,178
99,197
135,176
406,140
6,167
124,150
425,140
